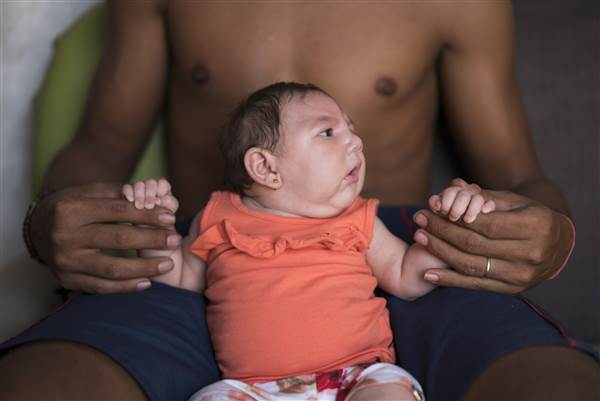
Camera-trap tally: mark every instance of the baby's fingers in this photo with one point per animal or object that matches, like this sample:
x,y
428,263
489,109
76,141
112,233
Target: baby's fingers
x,y
127,191
164,187
460,205
447,198
150,193
435,203
488,206
170,202
139,193
474,208
459,182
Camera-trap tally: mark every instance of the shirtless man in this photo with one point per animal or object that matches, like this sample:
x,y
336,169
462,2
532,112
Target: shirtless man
x,y
389,64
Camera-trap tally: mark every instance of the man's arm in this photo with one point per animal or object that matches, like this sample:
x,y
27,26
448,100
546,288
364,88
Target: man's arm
x,y
489,124
70,227
483,105
125,98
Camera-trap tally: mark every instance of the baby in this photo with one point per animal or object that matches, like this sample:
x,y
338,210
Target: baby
x,y
290,257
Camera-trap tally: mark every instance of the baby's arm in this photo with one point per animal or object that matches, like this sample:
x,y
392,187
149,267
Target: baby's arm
x,y
399,268
193,273
188,270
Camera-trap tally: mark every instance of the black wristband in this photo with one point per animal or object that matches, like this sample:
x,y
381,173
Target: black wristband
x,y
26,229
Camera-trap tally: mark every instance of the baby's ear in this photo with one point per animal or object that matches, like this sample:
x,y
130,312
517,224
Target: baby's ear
x,y
261,166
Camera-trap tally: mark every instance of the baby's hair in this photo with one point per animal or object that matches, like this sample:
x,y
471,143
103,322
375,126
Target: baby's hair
x,y
256,122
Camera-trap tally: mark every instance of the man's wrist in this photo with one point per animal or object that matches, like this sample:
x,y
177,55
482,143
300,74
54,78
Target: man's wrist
x,y
571,248
26,228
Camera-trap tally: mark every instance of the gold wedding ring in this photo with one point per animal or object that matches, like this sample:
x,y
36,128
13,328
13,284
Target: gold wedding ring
x,y
488,266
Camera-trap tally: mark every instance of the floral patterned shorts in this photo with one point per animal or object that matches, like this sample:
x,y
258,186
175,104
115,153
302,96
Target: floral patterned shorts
x,y
337,385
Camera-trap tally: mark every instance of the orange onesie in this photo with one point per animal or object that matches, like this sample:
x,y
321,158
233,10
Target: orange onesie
x,y
290,296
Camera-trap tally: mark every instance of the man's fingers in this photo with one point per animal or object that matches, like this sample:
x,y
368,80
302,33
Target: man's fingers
x,y
125,236
95,285
95,272
516,224
121,268
506,200
117,210
496,225
99,190
109,267
451,278
474,264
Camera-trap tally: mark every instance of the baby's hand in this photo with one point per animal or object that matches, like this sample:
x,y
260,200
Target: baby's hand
x,y
147,194
461,200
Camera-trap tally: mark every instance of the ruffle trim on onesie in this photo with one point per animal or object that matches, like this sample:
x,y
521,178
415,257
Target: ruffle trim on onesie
x,y
342,238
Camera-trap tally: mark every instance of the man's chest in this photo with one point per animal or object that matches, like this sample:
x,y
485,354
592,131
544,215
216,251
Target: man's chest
x,y
378,53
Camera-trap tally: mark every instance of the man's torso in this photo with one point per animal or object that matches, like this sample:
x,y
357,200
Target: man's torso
x,y
377,60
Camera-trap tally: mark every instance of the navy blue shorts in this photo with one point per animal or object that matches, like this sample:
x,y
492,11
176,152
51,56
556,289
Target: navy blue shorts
x,y
445,339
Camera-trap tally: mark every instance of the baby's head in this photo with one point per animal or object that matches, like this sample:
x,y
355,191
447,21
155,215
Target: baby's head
x,y
292,148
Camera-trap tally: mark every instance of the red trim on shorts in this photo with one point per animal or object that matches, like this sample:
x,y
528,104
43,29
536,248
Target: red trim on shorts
x,y
32,325
571,340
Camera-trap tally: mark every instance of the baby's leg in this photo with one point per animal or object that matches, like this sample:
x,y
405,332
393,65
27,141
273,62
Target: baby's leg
x,y
385,381
382,392
223,391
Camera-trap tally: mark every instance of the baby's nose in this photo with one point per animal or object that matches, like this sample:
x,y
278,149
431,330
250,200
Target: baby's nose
x,y
355,143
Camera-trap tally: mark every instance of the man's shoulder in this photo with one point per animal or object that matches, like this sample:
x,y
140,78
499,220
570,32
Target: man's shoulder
x,y
459,21
155,6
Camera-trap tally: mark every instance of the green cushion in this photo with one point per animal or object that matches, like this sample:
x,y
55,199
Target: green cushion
x,y
60,102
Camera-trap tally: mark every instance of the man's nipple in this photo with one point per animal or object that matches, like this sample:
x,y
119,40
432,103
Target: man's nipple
x,y
385,86
200,74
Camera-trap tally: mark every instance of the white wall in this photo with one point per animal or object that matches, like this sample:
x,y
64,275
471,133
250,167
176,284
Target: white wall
x,y
27,31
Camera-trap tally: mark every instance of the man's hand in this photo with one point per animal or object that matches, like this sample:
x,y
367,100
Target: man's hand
x,y
70,228
527,243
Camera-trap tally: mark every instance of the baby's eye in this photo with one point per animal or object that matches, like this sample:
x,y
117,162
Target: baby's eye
x,y
327,132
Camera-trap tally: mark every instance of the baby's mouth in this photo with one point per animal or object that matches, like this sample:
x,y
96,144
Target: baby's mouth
x,y
353,174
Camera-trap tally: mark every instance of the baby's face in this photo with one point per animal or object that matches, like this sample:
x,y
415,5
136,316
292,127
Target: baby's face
x,y
321,158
